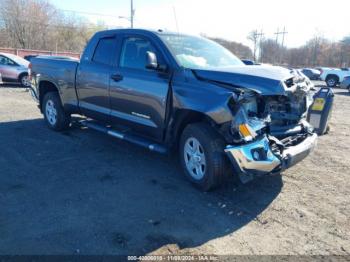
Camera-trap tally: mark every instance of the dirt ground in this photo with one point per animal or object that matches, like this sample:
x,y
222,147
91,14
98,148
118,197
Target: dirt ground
x,y
81,192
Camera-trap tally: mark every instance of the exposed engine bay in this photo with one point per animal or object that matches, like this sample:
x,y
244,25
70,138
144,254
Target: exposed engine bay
x,y
278,115
272,131
282,110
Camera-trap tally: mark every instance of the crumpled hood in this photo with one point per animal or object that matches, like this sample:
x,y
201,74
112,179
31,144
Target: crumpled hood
x,y
266,80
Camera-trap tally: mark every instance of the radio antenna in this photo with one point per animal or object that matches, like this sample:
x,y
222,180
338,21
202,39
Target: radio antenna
x,y
175,17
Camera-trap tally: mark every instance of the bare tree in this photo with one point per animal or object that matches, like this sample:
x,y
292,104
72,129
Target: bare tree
x,y
26,22
36,24
254,37
238,49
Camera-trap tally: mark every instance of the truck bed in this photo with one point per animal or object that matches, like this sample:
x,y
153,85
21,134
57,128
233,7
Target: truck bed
x,y
58,70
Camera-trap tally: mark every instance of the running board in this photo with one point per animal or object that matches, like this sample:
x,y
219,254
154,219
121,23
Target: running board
x,y
127,137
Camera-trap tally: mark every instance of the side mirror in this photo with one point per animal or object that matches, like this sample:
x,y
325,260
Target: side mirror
x,y
151,61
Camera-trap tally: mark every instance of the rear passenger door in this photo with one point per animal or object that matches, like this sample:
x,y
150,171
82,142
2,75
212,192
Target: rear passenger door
x,y
93,79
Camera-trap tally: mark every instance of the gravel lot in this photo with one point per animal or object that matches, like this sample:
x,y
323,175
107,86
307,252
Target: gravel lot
x,y
81,192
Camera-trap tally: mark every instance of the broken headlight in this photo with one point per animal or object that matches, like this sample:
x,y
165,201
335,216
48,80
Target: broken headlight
x,y
245,127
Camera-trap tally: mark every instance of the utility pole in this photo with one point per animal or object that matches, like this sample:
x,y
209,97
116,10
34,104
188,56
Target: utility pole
x,y
283,35
277,35
261,35
132,13
284,32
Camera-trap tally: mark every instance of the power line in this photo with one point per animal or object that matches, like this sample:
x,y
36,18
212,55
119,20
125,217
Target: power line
x,y
88,13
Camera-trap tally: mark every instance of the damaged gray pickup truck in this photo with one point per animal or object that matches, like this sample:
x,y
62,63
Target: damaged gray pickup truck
x,y
168,91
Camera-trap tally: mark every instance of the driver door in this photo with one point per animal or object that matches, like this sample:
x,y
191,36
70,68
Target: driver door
x,y
139,95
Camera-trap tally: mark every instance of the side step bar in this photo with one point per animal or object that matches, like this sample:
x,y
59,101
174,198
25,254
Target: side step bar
x,y
127,137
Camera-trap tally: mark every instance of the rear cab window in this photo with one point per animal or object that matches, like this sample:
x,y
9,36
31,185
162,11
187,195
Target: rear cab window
x,y
104,51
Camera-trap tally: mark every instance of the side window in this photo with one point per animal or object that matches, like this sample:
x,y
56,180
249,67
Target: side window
x,y
103,51
2,60
134,51
6,61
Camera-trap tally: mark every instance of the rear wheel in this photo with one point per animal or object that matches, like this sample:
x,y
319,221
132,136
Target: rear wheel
x,y
55,116
202,156
24,80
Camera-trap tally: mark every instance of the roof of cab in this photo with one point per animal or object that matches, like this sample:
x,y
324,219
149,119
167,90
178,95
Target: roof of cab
x,y
142,31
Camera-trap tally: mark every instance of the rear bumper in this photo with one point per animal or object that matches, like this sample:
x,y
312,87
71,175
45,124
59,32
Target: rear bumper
x,y
34,90
257,158
34,94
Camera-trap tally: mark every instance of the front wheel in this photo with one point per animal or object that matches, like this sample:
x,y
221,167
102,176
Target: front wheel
x,y
55,116
202,156
331,81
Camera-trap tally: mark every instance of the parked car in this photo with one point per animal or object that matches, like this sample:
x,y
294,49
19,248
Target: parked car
x,y
346,83
249,62
312,74
168,91
333,76
0,79
29,57
14,69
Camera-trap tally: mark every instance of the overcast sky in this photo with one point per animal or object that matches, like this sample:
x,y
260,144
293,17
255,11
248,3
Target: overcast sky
x,y
229,19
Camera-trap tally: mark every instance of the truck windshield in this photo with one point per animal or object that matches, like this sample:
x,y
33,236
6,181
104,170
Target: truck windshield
x,y
199,53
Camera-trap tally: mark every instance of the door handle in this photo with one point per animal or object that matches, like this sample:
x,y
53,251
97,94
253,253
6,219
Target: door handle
x,y
117,77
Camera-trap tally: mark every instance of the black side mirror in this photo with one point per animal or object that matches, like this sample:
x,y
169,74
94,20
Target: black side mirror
x,y
151,61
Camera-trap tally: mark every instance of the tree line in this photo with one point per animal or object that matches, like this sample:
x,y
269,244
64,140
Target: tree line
x,y
318,51
39,25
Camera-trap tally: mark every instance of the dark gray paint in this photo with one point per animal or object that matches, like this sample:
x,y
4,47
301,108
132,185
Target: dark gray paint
x,y
147,101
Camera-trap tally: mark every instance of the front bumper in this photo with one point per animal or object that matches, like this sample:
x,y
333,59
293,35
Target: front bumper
x,y
257,158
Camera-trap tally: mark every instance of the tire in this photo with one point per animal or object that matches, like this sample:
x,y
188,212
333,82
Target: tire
x,y
24,80
55,116
332,81
210,151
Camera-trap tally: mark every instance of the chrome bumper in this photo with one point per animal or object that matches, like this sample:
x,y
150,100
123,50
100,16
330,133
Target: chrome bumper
x,y
257,158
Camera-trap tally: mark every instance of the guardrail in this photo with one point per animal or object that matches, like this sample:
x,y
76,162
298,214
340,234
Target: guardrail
x,y
25,52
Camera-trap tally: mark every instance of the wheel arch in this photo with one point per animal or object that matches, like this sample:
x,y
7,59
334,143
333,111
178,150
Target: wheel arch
x,y
183,118
45,87
22,74
333,75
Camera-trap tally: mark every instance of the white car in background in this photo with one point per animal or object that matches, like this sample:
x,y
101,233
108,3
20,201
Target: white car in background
x,y
333,76
14,69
